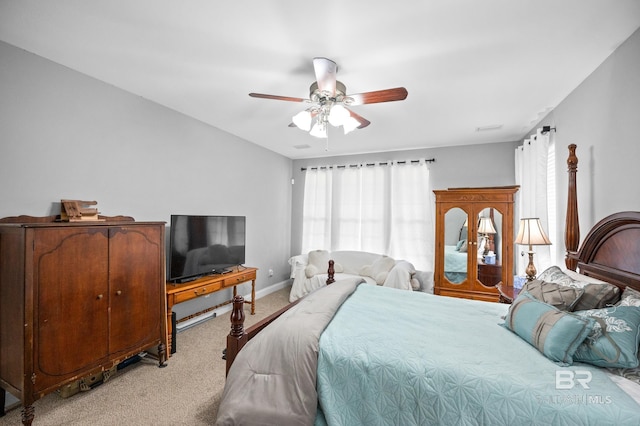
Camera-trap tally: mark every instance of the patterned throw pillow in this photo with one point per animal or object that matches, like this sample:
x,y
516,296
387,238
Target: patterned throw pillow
x,y
595,296
555,333
632,374
630,297
615,337
553,274
562,297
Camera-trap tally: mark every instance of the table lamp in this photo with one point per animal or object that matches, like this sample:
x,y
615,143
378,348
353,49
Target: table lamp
x,y
531,234
486,228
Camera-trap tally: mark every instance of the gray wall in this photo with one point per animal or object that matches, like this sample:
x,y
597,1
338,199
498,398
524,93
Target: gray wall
x,y
472,165
66,135
602,117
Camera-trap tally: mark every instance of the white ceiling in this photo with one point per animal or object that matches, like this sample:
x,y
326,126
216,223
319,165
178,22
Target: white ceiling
x,y
465,63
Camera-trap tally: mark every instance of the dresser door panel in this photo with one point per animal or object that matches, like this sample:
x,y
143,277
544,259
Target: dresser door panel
x,y
71,296
136,277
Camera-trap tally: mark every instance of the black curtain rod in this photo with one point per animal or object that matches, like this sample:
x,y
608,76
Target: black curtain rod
x,y
547,129
382,163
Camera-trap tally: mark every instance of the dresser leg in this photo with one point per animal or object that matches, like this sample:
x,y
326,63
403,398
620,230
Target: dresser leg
x,y
162,355
27,415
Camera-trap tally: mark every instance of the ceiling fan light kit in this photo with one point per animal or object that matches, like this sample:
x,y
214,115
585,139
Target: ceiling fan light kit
x,y
330,102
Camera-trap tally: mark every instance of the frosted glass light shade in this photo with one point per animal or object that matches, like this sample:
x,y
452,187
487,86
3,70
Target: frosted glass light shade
x,y
302,120
338,115
319,130
350,124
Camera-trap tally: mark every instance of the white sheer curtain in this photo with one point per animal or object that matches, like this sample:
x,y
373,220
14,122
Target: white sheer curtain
x,y
535,173
382,208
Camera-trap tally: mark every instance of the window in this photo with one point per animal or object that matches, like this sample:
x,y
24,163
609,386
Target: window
x,y
380,208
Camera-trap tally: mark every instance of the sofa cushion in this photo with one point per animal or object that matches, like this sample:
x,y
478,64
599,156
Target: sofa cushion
x,y
352,260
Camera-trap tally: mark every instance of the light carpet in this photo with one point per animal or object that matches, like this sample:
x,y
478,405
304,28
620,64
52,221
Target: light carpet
x,y
186,392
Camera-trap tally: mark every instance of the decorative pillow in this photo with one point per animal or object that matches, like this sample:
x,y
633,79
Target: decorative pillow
x,y
553,274
560,296
584,278
595,296
318,263
460,243
415,284
365,271
614,339
463,248
379,269
632,374
555,333
630,297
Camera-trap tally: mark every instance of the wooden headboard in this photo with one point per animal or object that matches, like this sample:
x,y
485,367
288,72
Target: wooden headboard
x,y
611,250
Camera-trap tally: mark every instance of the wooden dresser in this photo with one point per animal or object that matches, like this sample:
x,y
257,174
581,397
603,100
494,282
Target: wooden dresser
x,y
77,299
460,270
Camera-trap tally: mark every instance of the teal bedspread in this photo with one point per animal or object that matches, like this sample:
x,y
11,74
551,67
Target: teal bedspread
x,y
393,357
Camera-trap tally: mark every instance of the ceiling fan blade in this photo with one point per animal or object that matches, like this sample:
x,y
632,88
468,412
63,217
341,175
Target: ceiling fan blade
x,y
278,98
325,74
388,95
363,121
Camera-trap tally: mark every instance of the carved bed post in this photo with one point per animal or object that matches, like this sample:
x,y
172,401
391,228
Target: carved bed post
x,y
331,271
572,225
237,338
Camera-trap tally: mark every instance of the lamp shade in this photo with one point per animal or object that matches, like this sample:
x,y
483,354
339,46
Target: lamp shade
x,y
485,226
531,233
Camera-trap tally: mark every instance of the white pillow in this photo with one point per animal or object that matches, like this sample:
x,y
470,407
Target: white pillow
x,y
318,263
579,277
379,269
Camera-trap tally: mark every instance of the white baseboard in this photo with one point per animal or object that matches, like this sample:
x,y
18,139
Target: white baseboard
x,y
227,308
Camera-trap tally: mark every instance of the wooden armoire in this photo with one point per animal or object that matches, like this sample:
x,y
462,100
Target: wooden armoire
x,y
76,299
463,267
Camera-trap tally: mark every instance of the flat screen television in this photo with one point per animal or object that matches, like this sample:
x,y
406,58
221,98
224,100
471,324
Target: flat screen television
x,y
203,245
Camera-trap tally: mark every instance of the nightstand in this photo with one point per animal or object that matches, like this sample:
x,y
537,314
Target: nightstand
x,y
507,293
489,275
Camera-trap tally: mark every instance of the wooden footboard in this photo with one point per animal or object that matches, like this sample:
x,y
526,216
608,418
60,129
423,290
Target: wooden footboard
x,y
238,336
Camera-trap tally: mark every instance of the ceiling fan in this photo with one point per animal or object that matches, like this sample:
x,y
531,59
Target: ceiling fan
x,y
330,102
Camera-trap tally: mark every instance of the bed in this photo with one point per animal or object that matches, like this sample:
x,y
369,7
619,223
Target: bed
x,y
455,263
346,355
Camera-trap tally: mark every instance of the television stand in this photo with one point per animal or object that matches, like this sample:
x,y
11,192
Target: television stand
x,y
202,286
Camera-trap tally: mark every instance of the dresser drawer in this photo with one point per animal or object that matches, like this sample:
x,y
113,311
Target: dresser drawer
x,y
183,296
237,279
